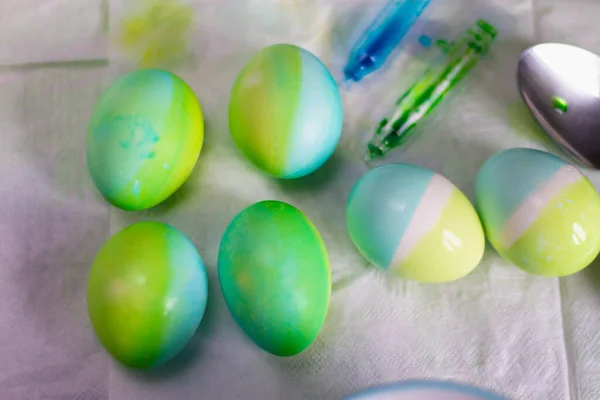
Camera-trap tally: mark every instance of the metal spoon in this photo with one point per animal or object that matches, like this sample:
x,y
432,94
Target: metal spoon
x,y
561,86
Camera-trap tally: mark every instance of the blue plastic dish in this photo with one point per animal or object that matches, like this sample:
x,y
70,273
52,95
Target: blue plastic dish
x,y
424,390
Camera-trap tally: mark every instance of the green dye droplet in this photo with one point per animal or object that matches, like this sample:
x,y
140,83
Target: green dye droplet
x,y
560,104
442,44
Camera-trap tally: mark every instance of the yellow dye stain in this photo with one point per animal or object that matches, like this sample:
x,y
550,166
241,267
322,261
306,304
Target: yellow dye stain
x,y
524,125
158,34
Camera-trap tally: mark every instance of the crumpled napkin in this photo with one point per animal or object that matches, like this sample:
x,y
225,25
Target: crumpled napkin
x,y
498,328
525,337
48,31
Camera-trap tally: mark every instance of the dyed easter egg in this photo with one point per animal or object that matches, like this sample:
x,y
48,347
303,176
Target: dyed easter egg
x,y
285,112
539,212
275,276
144,138
424,390
414,223
146,294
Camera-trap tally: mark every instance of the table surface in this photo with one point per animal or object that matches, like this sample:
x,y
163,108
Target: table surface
x,y
523,336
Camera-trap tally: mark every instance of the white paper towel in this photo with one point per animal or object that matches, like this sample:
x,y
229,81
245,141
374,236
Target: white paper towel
x,y
48,31
526,337
51,224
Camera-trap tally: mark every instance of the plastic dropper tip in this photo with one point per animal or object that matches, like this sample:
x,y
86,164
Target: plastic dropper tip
x,y
373,152
347,83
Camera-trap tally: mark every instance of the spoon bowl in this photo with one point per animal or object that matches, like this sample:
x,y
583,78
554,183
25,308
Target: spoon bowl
x,y
560,84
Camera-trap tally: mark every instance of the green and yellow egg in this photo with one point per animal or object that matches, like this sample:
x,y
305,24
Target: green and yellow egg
x,y
285,112
144,138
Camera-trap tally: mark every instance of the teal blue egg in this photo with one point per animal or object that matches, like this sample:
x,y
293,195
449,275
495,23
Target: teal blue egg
x,y
275,276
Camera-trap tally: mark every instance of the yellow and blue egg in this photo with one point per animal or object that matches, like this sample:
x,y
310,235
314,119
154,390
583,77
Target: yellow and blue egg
x,y
539,212
144,138
146,294
285,112
414,223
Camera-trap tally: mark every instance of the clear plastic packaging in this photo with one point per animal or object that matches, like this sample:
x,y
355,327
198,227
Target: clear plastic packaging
x,y
428,82
420,99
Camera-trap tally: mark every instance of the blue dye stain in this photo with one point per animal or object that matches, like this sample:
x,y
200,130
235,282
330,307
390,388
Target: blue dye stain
x,y
135,131
425,41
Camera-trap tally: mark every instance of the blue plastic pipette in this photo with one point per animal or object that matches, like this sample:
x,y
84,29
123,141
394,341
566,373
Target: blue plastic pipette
x,y
382,37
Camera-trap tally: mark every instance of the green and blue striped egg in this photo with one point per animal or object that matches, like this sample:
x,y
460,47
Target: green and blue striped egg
x,y
539,212
144,138
414,223
146,294
285,112
275,276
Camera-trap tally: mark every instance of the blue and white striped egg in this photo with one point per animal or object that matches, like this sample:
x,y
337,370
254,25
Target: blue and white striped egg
x,y
539,212
415,223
